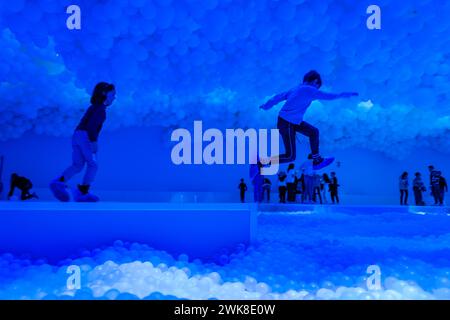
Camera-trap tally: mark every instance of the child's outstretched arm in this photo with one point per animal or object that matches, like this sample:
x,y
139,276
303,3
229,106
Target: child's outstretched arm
x,y
275,100
320,95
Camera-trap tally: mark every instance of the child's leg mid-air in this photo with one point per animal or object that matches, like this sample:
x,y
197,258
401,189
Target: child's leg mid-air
x,y
290,119
288,132
84,147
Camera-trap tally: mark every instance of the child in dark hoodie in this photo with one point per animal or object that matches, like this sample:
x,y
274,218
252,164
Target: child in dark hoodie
x,y
84,146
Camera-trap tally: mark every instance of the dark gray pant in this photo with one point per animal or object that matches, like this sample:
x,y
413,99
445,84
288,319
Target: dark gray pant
x,y
288,131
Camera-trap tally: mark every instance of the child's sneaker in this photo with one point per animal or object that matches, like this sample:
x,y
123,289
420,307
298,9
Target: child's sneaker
x,y
59,190
81,194
320,163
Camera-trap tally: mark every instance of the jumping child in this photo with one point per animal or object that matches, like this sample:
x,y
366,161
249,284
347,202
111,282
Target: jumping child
x,y
84,146
290,117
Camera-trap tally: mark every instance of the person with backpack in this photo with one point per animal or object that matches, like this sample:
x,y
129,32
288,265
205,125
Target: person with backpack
x,y
435,184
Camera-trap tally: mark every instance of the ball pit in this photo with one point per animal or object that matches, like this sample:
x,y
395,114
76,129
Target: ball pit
x,y
297,256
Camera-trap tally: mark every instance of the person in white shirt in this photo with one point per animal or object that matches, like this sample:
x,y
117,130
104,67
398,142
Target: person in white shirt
x,y
324,186
309,172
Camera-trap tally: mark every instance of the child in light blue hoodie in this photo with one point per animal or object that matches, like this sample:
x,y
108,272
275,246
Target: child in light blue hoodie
x,y
290,117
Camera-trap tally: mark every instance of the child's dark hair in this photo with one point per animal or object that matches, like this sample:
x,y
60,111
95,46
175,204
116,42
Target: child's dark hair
x,y
404,175
417,174
311,76
100,91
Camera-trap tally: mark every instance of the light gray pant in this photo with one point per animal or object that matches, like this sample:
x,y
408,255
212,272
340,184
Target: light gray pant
x,y
324,193
82,153
309,186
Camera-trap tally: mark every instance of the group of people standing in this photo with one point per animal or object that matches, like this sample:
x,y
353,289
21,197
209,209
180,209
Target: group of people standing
x,y
310,186
303,185
437,184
